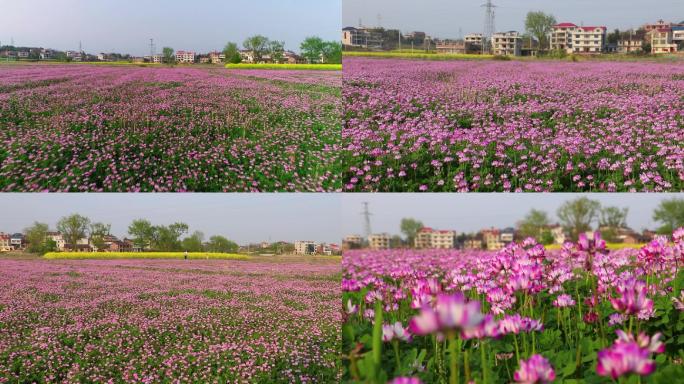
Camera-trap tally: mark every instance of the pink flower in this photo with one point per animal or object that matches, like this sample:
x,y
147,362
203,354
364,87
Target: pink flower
x,y
535,370
395,331
450,312
406,380
627,356
679,302
563,301
632,298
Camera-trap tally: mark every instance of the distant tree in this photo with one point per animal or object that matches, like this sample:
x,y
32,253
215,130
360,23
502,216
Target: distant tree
x,y
258,45
232,53
409,227
646,48
533,224
611,219
168,55
36,236
73,228
142,232
276,50
167,238
332,52
98,232
577,215
546,237
539,25
396,242
613,37
194,242
312,49
219,244
670,214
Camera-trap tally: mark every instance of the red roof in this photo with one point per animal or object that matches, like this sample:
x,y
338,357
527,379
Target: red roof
x,y
664,30
592,28
426,229
561,25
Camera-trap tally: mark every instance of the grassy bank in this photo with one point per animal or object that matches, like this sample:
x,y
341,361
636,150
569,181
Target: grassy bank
x,y
141,255
301,67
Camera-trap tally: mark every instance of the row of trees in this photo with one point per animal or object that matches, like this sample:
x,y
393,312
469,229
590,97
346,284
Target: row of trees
x,y
576,217
165,238
313,49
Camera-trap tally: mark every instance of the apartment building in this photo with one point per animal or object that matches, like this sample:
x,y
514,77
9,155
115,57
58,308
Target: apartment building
x,y
428,238
630,46
305,247
185,57
362,38
507,43
379,241
571,38
5,245
661,41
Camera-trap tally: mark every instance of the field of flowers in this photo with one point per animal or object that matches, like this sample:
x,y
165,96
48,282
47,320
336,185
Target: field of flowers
x,y
143,255
512,126
124,128
151,321
583,314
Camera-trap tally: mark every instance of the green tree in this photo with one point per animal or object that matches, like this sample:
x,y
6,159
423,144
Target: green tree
x,y
194,242
539,25
312,49
98,232
142,232
220,244
546,237
258,45
533,224
73,228
277,50
670,214
409,227
232,53
36,236
168,55
396,242
332,52
577,215
611,219
167,238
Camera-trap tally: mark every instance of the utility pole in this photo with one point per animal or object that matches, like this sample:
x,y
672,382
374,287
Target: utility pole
x,y
488,25
367,219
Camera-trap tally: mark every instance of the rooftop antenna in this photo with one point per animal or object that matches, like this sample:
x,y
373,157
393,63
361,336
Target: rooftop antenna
x,y
488,24
367,219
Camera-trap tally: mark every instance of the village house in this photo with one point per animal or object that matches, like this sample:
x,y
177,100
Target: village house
x,y
571,38
23,54
492,239
58,239
305,247
379,241
74,56
5,245
367,38
472,243
661,41
428,238
292,58
185,57
450,46
17,241
352,242
474,38
657,25
216,57
630,46
507,43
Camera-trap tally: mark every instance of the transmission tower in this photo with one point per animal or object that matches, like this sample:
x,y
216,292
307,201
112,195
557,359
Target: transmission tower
x,y
151,48
367,219
488,25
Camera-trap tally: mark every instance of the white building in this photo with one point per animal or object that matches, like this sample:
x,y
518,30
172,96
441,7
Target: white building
x,y
216,57
185,57
473,38
5,245
630,45
571,38
58,239
379,241
507,43
661,41
305,247
428,238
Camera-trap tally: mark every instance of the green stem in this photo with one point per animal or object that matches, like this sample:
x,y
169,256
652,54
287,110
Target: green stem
x,y
466,364
454,353
517,349
395,344
483,362
377,336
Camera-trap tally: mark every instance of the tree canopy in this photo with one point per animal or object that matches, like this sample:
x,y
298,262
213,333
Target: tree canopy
x,y
539,25
670,215
73,228
258,44
232,53
577,215
409,227
533,224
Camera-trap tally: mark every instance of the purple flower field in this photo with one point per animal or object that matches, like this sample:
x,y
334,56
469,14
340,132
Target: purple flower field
x,y
169,321
582,314
127,128
512,126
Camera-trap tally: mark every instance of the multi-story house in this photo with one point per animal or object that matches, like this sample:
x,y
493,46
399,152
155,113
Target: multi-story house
x,y
630,46
571,38
362,38
428,238
17,241
492,239
74,55
658,25
379,241
216,57
473,242
474,38
58,239
507,235
450,46
507,43
678,34
661,41
352,242
558,234
5,245
185,57
305,247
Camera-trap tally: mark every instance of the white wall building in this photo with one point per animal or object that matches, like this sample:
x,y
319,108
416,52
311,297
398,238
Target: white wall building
x,y
507,43
305,247
185,57
379,241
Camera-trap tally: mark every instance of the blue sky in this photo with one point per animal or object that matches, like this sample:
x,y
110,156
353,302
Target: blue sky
x,y
200,25
473,211
443,18
241,217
